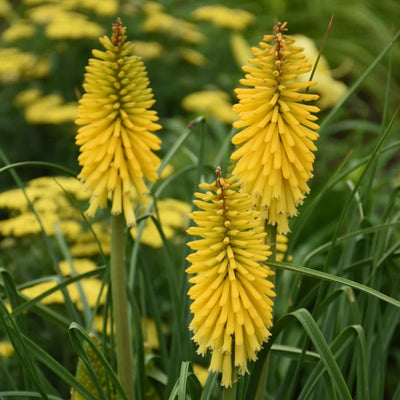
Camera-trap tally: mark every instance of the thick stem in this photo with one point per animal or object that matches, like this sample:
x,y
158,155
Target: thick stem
x,y
229,393
120,305
271,241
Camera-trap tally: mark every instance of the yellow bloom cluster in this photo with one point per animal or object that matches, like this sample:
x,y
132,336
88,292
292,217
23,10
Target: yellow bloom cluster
x,y
61,19
49,109
6,349
18,30
172,215
330,90
51,198
91,286
193,57
240,49
103,7
157,20
275,157
50,202
148,50
115,123
224,17
232,297
72,25
215,103
17,65
5,9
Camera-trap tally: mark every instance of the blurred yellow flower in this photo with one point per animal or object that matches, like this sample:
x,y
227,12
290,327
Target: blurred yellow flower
x,y
91,287
98,324
18,30
281,247
153,7
148,50
59,185
80,265
149,330
36,2
16,65
214,103
50,109
224,17
5,9
103,7
172,215
330,90
115,119
167,171
275,153
6,349
51,203
72,25
26,96
85,244
240,49
193,57
201,373
232,297
51,198
45,13
40,288
150,335
157,20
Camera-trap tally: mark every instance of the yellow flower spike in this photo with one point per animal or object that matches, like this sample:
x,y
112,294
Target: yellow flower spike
x,y
231,293
275,157
115,123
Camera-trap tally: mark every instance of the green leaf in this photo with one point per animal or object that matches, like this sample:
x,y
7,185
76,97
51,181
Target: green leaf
x,y
24,394
322,348
39,164
16,338
77,336
178,143
341,345
358,83
57,369
210,386
27,305
335,279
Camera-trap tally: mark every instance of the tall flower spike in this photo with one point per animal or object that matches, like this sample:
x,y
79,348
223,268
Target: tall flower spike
x,y
232,297
115,123
275,157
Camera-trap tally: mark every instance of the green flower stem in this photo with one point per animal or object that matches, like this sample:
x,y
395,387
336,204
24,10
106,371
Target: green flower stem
x,y
120,305
271,241
229,393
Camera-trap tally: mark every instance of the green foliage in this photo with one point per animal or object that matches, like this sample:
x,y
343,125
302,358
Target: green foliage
x,y
337,315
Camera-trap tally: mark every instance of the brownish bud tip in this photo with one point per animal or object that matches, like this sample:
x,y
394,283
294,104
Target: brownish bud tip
x,y
279,27
118,37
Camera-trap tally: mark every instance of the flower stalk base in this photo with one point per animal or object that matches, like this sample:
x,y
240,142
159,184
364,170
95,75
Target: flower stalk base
x,y
120,305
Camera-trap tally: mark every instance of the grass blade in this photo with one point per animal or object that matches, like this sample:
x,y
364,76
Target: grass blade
x,y
335,279
77,336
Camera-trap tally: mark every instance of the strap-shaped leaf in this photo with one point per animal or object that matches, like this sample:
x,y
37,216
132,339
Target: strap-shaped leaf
x,y
78,335
314,273
257,387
